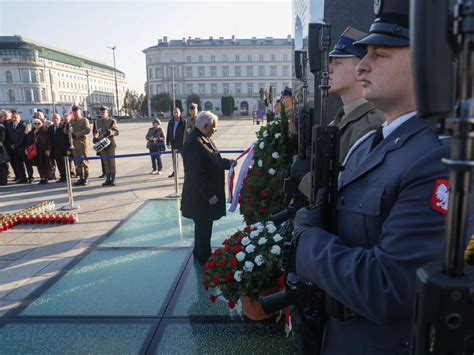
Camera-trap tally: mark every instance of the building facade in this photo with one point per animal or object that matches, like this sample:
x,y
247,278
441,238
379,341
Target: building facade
x,y
213,68
36,76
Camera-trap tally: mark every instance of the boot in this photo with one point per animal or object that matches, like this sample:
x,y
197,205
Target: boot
x,y
79,182
101,176
85,181
112,180
107,181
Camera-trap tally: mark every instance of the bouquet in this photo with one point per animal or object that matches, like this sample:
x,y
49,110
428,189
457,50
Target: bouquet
x,y
247,263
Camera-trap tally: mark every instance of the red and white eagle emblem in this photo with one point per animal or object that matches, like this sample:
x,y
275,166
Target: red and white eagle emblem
x,y
440,196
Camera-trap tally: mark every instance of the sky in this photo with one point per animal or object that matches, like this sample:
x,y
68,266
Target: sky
x,y
88,27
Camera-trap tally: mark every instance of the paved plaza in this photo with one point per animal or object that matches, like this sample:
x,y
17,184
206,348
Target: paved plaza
x,y
30,255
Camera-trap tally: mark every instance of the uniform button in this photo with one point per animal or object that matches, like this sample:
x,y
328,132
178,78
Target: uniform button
x,y
342,200
360,205
405,343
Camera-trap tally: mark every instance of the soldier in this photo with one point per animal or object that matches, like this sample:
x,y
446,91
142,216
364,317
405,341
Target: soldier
x,y
191,121
390,217
358,116
80,128
106,127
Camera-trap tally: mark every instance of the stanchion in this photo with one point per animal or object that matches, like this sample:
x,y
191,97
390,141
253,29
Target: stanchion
x,y
71,205
175,172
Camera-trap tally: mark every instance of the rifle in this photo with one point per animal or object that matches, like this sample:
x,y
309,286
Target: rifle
x,y
308,299
444,312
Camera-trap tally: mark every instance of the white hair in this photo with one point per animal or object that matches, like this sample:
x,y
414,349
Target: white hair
x,y
205,118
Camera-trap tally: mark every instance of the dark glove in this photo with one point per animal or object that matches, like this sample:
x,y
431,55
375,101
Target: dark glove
x,y
313,216
305,336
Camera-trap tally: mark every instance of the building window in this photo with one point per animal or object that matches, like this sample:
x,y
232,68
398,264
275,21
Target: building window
x,y
25,76
43,95
201,72
28,97
285,57
201,59
237,71
158,73
237,58
11,95
224,58
213,58
152,89
159,89
189,72
9,76
273,57
250,88
249,57
150,73
41,76
225,86
261,58
202,89
225,71
189,89
261,70
213,72
238,88
188,59
286,70
273,70
249,71
213,88
34,77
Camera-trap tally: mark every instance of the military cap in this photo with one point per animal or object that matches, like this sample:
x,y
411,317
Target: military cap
x,y
39,110
103,108
13,111
193,105
74,108
345,45
391,26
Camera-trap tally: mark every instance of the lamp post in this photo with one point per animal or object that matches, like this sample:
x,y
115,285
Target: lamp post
x,y
115,76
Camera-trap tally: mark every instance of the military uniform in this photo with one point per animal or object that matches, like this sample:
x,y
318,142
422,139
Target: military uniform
x,y
190,122
390,221
80,129
107,127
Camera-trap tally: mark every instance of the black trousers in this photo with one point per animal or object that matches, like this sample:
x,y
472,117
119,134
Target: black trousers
x,y
61,167
3,173
17,162
202,238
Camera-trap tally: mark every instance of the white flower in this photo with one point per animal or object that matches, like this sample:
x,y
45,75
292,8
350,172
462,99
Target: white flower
x,y
240,256
238,276
260,228
277,237
260,163
254,234
272,171
262,241
275,155
248,266
275,250
261,145
245,241
265,133
259,260
277,135
256,225
250,248
271,228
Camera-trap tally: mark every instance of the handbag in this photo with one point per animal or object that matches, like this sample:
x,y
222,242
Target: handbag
x,y
149,144
161,146
31,151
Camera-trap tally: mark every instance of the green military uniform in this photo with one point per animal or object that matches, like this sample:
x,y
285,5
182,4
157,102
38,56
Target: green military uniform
x,y
190,125
107,127
80,129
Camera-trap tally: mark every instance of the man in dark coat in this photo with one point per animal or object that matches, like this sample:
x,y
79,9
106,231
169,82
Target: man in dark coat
x,y
16,145
58,135
4,156
391,207
203,197
175,133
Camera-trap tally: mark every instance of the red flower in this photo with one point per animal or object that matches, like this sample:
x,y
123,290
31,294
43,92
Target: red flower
x,y
227,248
264,194
281,280
258,173
217,252
233,262
225,242
228,277
231,304
239,239
236,249
250,200
215,280
206,286
248,187
212,298
247,229
221,263
262,210
210,264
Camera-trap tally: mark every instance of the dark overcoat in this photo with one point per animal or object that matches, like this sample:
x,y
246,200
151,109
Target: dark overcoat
x,y
390,223
204,177
43,144
59,141
177,142
16,137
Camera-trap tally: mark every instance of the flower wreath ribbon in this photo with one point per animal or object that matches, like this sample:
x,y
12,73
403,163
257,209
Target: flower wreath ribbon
x,y
233,195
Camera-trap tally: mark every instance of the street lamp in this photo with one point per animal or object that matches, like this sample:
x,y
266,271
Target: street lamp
x,y
115,76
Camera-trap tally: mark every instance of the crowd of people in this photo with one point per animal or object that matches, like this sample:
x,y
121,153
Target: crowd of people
x,y
45,143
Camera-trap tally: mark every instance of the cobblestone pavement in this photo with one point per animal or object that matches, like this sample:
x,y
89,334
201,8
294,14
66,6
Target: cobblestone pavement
x,y
31,254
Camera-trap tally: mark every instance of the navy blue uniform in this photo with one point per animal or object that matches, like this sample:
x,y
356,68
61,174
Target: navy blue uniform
x,y
387,229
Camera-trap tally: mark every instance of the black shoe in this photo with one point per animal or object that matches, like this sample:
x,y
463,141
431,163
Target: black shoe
x,y
31,179
21,181
102,176
43,182
172,175
79,182
107,181
85,182
112,180
60,181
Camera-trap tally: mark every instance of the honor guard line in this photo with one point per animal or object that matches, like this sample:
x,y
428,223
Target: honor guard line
x,y
72,206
